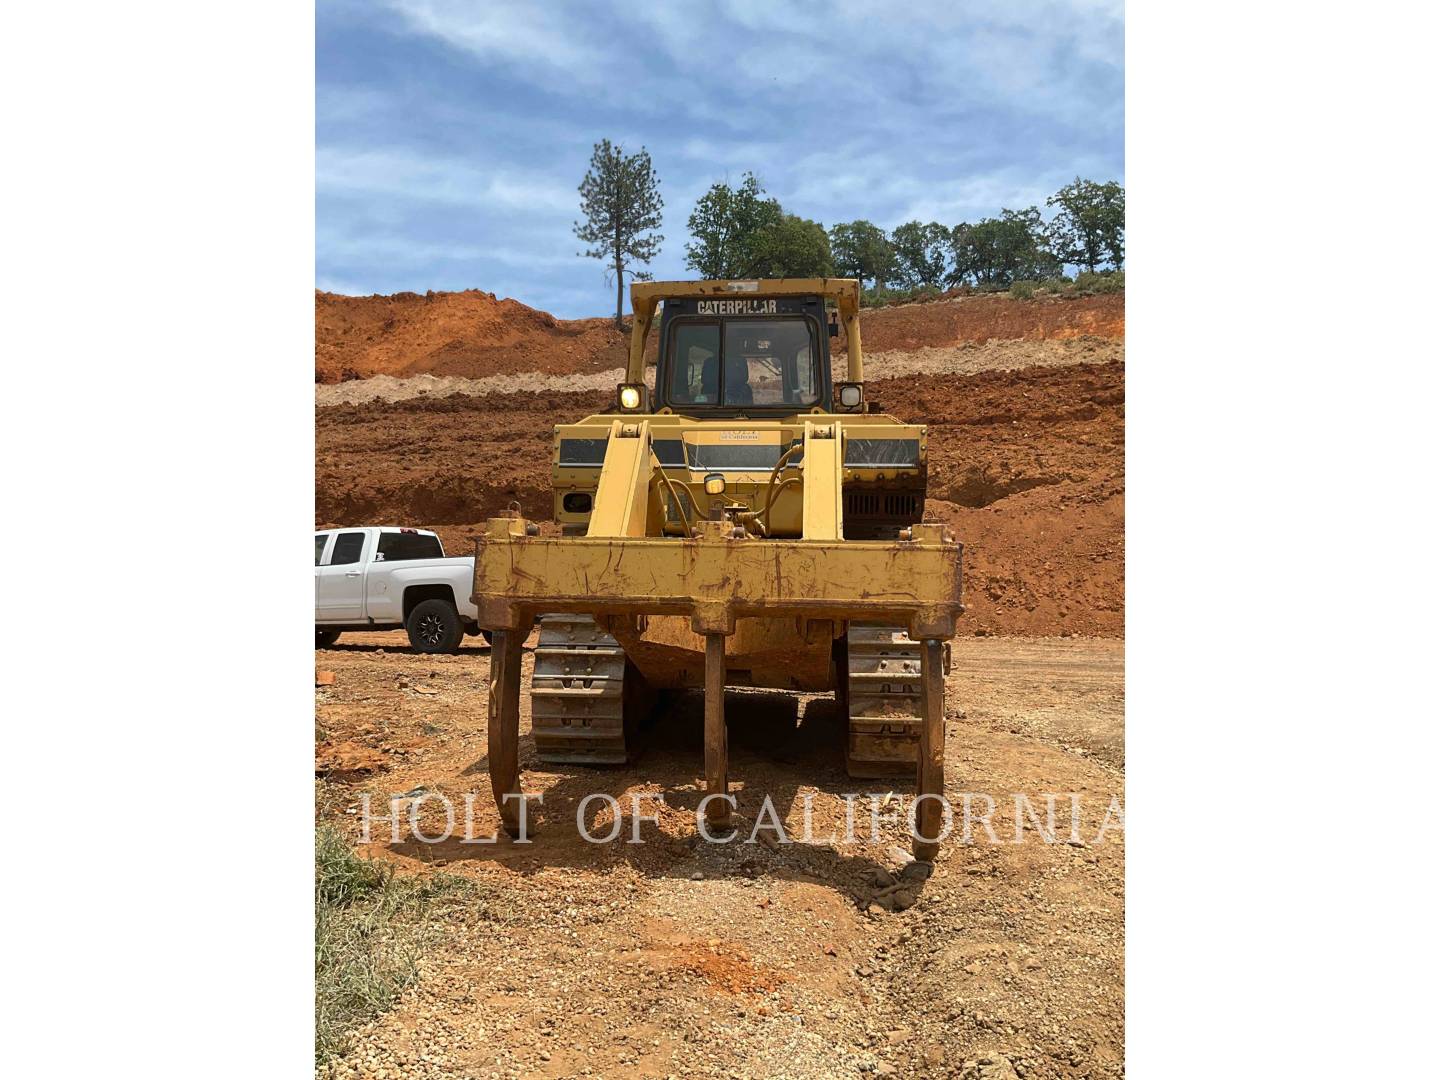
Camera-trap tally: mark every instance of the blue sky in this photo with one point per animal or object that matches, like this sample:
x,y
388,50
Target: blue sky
x,y
451,135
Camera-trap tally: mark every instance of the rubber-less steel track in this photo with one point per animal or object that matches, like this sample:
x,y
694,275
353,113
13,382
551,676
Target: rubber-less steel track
x,y
882,699
582,694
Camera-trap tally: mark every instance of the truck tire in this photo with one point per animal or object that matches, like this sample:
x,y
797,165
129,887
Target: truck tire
x,y
325,638
434,627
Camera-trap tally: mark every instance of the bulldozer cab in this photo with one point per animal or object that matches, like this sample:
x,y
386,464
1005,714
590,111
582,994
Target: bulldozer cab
x,y
745,348
728,357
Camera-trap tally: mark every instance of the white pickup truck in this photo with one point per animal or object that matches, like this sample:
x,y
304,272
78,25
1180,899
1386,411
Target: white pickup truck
x,y
385,577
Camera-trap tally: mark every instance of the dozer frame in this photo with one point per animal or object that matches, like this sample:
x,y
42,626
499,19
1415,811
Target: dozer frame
x,y
722,568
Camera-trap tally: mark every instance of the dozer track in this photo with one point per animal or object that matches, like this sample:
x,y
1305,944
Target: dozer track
x,y
882,698
586,698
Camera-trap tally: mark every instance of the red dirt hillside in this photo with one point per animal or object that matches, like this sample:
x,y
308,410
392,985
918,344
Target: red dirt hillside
x,y
472,334
1028,466
997,317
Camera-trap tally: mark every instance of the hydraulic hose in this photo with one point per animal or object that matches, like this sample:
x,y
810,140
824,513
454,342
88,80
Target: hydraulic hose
x,y
774,493
779,465
679,506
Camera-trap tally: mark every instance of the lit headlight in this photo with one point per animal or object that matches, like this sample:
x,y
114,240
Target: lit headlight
x,y
631,397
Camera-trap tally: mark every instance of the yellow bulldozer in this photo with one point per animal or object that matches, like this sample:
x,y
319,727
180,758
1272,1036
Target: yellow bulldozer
x,y
746,521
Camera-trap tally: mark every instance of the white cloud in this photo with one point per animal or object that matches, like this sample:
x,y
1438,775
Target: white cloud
x,y
408,175
528,35
343,286
401,249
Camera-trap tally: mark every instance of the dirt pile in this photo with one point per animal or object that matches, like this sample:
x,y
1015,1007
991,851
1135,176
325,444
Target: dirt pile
x,y
1027,465
470,334
473,335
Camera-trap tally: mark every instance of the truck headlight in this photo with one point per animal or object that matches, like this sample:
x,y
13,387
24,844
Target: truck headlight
x,y
632,397
850,395
715,484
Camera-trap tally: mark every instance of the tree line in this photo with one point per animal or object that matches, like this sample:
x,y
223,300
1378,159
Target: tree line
x,y
741,232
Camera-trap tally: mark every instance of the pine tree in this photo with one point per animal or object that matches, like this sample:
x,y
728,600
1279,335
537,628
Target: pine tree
x,y
620,198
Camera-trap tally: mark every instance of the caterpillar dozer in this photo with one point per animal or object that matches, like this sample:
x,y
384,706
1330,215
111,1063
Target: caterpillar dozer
x,y
746,520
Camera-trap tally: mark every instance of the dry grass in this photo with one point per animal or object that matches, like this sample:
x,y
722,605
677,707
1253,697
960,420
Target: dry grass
x,y
368,937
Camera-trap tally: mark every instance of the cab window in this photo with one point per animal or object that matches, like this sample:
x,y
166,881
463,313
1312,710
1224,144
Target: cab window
x,y
769,363
745,362
321,539
695,364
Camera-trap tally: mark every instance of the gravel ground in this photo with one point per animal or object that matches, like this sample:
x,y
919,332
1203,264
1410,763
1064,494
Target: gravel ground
x,y
673,957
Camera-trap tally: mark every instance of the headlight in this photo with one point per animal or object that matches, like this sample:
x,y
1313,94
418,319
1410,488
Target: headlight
x,y
715,484
631,397
851,394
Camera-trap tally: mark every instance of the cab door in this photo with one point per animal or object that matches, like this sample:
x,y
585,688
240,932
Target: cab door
x,y
340,579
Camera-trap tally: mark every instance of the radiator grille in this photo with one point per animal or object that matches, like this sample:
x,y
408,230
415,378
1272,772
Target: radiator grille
x,y
881,504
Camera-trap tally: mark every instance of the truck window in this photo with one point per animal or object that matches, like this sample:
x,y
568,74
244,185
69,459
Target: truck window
x,y
348,546
395,546
320,539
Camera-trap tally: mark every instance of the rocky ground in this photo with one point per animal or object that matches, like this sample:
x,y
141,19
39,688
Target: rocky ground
x,y
673,957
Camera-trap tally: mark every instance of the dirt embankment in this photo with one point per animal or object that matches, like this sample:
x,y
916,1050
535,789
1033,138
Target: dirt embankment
x,y
472,335
1027,465
907,327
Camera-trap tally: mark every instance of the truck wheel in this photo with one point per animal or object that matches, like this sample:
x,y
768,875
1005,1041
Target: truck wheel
x,y
434,627
325,638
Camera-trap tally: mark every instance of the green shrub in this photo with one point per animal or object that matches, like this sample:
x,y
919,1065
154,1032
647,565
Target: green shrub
x,y
1086,283
1089,283
882,295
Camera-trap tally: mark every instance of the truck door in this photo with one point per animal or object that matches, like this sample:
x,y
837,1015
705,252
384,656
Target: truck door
x,y
340,582
322,548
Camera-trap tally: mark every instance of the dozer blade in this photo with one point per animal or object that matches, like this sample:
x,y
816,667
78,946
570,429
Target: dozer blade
x,y
585,697
883,697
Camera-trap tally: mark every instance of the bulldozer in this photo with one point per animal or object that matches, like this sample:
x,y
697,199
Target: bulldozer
x,y
748,519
